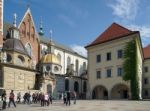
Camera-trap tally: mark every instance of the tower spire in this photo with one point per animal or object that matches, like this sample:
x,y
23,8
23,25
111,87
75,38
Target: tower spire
x,y
41,28
50,32
51,43
15,18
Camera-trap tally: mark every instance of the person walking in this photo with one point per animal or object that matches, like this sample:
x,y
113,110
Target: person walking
x,y
65,97
18,97
11,98
75,97
42,99
4,100
50,98
46,99
68,98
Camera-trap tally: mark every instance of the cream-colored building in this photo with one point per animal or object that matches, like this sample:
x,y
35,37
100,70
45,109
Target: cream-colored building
x,y
105,64
146,73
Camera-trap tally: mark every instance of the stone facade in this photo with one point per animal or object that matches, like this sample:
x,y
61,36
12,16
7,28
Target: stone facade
x,y
146,79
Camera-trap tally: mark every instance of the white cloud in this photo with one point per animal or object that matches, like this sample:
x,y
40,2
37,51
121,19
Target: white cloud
x,y
67,20
125,9
79,49
144,32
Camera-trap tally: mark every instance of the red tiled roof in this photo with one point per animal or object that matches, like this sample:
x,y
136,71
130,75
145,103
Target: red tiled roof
x,y
147,52
114,31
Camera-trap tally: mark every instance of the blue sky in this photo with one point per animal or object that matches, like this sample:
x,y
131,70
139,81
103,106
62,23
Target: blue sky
x,y
76,23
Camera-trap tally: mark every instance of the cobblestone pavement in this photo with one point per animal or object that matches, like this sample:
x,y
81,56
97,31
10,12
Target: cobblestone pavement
x,y
88,105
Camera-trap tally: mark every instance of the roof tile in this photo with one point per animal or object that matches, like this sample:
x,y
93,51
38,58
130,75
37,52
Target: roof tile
x,y
146,52
112,32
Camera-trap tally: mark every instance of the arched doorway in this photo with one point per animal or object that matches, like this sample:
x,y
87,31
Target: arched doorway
x,y
84,87
120,91
49,88
66,85
100,92
76,86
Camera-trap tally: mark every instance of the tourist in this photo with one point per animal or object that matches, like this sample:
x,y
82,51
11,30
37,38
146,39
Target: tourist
x,y
42,99
75,97
50,98
68,98
25,97
11,98
4,100
46,97
65,97
18,97
29,98
33,98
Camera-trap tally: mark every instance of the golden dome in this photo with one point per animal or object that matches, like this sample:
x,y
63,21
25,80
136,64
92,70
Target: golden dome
x,y
50,58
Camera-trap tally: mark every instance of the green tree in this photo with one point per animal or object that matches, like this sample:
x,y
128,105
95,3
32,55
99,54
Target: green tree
x,y
130,68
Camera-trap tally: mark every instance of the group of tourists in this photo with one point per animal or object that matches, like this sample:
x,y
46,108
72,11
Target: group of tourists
x,y
38,97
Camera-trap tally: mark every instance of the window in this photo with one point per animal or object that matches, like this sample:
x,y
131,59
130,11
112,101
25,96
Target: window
x,y
145,80
98,74
48,68
146,93
59,57
23,29
120,54
9,58
145,69
56,69
68,61
108,72
108,56
29,50
77,67
21,58
120,71
98,58
84,66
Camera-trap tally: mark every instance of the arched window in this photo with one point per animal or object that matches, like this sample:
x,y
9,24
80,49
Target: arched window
x,y
84,66
77,67
76,86
29,49
68,61
59,57
9,58
23,29
66,85
21,58
28,25
33,33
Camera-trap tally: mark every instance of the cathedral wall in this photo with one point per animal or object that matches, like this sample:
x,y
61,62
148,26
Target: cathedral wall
x,y
17,79
29,36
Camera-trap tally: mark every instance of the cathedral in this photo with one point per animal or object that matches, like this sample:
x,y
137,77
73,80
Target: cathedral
x,y
29,61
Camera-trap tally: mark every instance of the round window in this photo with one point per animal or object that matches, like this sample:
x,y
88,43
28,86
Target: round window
x,y
56,68
48,68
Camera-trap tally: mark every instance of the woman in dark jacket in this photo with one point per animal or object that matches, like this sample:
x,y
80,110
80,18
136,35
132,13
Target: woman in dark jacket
x,y
4,100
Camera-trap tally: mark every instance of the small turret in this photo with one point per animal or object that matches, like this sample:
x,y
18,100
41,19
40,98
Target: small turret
x,y
41,33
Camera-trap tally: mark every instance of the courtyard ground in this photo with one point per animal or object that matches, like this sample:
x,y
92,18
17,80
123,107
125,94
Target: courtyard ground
x,y
88,105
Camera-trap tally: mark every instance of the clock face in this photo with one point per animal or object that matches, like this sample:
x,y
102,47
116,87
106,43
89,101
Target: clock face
x,y
16,34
